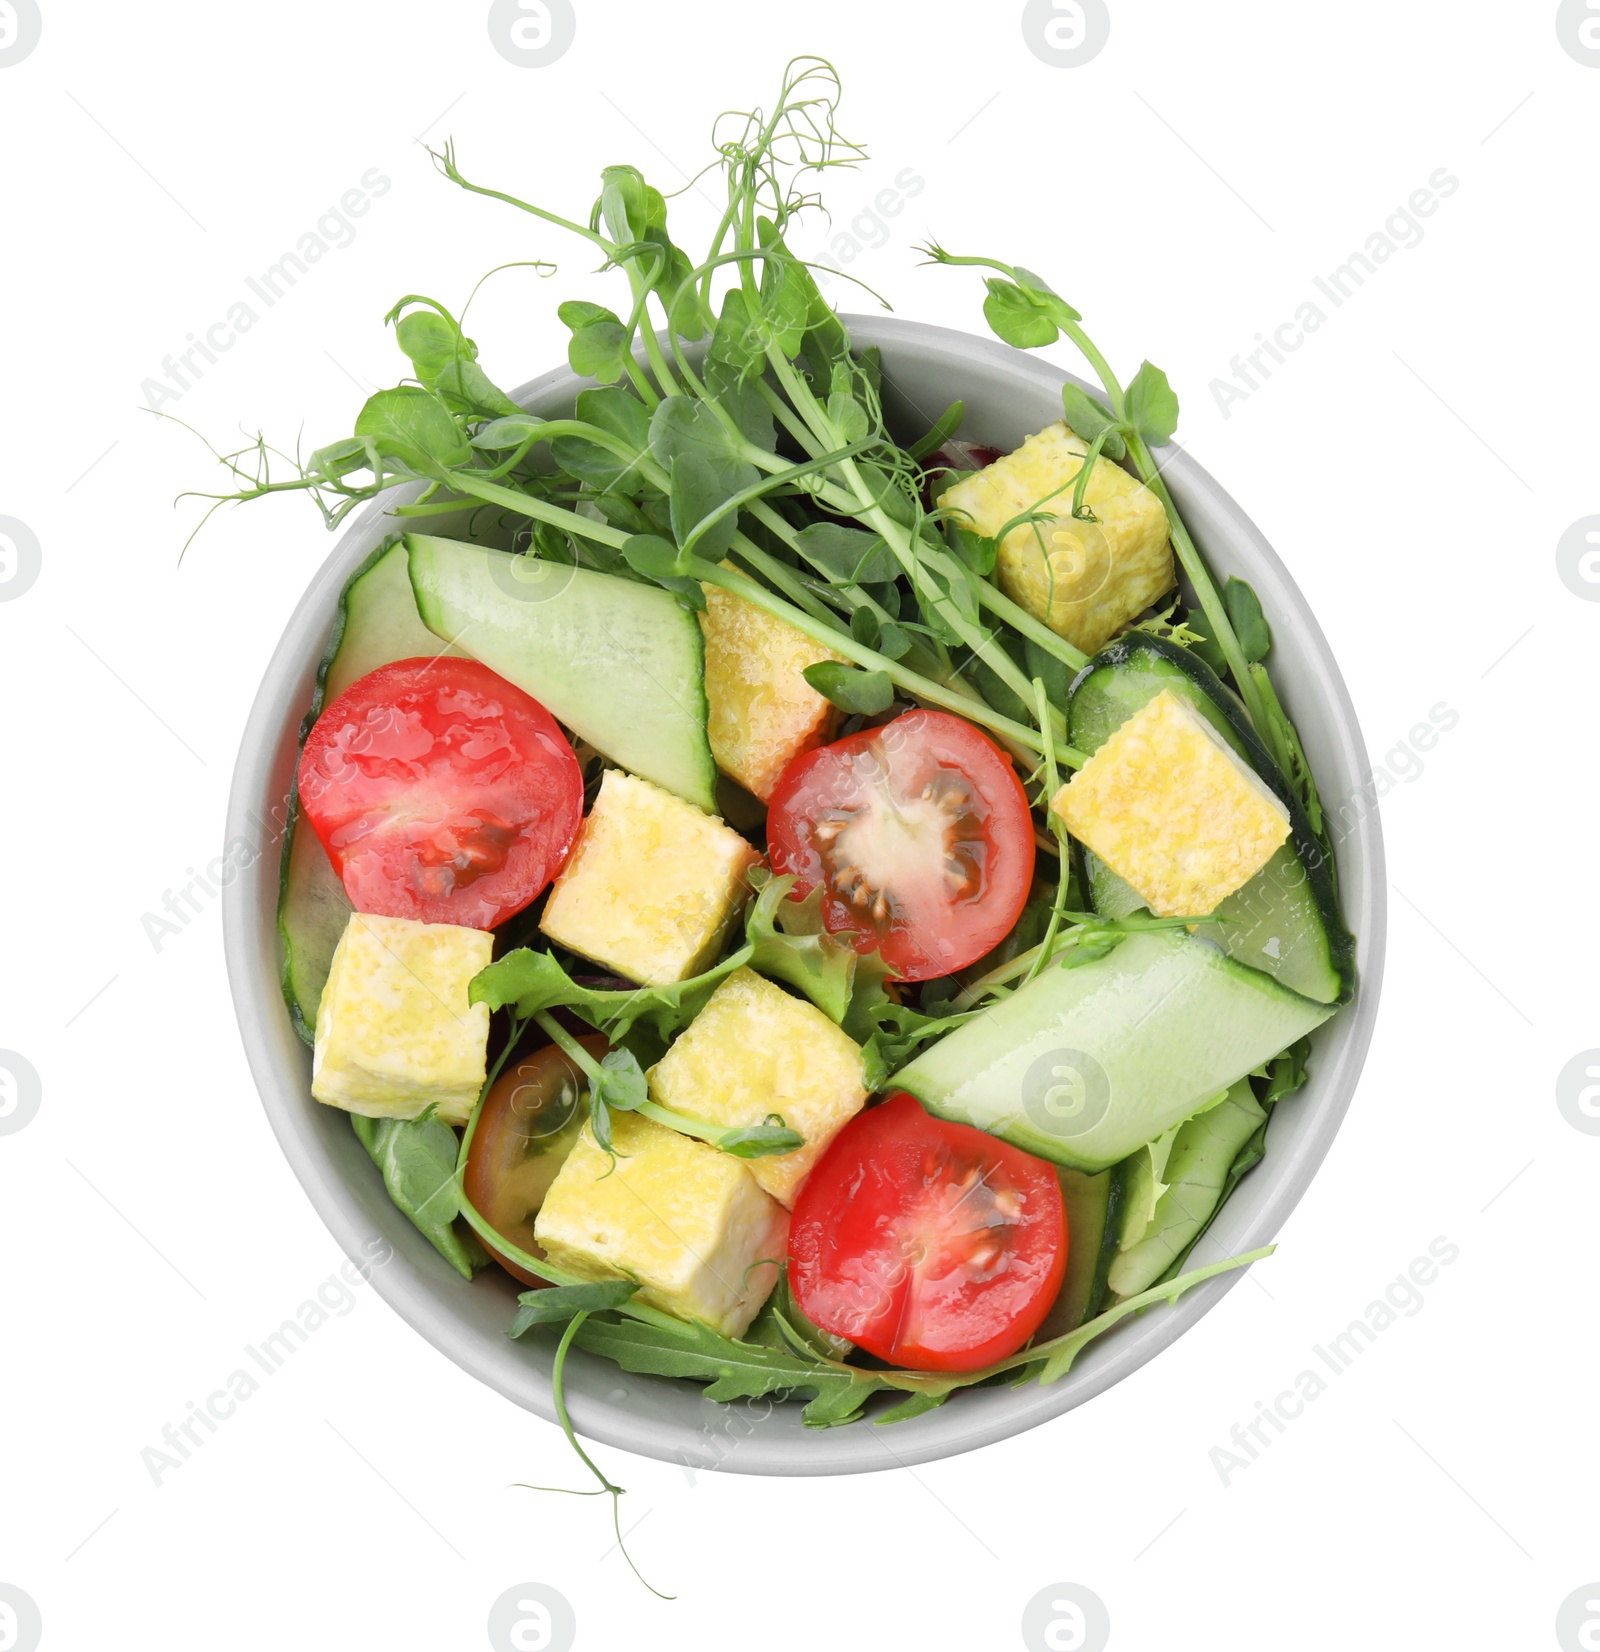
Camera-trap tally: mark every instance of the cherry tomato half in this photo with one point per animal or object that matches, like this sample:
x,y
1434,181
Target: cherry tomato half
x,y
920,834
929,1244
530,1122
441,792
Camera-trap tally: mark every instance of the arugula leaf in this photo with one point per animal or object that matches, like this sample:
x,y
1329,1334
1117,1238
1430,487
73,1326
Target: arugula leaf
x,y
534,981
732,1370
782,1324
786,941
1152,405
418,1160
913,1405
556,1304
1249,623
857,692
654,1343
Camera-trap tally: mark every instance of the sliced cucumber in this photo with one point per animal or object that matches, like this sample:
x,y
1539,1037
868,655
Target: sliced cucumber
x,y
1084,1065
377,622
1286,920
1093,1204
1203,1153
621,664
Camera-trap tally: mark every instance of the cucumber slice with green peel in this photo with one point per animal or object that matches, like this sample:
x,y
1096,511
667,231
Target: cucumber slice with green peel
x,y
1285,920
1093,1206
1084,1065
620,663
377,623
1196,1172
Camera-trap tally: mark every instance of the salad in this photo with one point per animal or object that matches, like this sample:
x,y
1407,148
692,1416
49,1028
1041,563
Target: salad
x,y
829,908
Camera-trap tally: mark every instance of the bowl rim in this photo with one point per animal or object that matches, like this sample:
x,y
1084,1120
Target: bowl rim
x,y
250,937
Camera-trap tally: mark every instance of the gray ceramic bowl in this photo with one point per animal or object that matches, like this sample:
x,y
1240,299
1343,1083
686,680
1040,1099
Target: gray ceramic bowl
x,y
1008,394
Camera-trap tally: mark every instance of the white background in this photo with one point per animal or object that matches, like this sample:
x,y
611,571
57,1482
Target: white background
x,y
1415,462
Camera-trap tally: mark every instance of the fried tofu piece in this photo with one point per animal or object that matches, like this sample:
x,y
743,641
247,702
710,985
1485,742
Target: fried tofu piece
x,y
652,884
1085,580
1169,806
755,1050
395,1032
763,712
683,1219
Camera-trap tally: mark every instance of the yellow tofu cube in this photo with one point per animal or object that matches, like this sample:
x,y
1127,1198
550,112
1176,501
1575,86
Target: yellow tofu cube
x,y
763,712
651,886
755,1050
394,1030
683,1219
1085,580
1168,805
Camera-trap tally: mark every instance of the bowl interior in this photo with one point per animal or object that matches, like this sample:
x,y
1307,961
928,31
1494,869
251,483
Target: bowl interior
x,y
1008,395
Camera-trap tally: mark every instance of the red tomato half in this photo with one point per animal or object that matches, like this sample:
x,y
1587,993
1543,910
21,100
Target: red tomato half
x,y
441,792
929,1244
920,834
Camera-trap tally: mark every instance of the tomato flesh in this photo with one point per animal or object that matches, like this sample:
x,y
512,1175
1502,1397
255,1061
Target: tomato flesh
x,y
530,1122
441,792
918,832
927,1243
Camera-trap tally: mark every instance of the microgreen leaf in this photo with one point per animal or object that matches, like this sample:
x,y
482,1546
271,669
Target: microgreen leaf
x,y
1017,316
622,1086
737,341
1249,624
652,556
1152,405
703,459
860,693
758,1141
413,427
847,416
849,555
556,1304
1088,418
513,430
598,347
617,412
